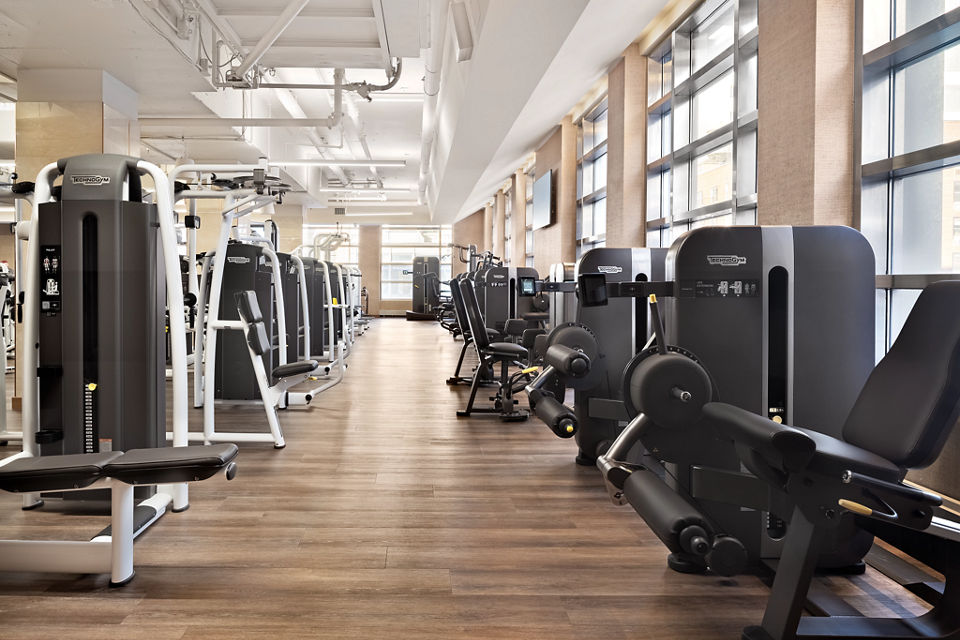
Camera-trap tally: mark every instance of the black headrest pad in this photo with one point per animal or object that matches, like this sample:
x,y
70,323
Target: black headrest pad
x,y
911,401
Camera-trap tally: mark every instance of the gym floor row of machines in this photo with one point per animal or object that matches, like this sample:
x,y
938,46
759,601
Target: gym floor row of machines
x,y
109,306
308,306
727,389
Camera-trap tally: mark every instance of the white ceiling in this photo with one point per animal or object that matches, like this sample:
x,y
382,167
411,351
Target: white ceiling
x,y
532,61
515,95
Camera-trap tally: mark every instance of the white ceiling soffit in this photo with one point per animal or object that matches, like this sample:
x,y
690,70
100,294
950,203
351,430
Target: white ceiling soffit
x,y
533,62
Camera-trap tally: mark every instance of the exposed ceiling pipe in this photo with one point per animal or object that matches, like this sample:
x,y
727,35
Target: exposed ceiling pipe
x,y
437,15
363,89
290,103
231,38
284,20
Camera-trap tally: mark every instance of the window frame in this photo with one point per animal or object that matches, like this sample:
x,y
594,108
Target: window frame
x,y
444,236
670,113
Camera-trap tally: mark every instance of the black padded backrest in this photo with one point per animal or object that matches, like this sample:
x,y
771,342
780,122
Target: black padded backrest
x,y
911,401
249,310
458,308
478,330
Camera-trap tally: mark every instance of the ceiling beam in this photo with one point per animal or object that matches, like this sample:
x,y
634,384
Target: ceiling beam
x,y
332,14
382,36
290,43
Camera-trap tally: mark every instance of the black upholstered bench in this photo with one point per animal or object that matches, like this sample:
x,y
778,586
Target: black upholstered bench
x,y
110,551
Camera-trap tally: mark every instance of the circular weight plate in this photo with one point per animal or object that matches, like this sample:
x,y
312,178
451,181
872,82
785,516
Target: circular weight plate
x,y
653,383
579,337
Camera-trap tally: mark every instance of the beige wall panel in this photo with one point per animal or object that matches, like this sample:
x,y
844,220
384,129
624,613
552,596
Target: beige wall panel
x,y
467,231
518,221
557,243
499,213
487,244
48,131
626,151
369,251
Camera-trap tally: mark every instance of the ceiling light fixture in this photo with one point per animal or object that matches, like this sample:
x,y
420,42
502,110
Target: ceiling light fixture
x,y
339,163
349,199
398,97
378,215
362,190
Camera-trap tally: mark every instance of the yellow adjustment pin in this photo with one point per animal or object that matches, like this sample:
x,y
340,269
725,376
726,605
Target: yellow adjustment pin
x,y
777,419
334,302
92,386
569,428
855,507
652,298
529,369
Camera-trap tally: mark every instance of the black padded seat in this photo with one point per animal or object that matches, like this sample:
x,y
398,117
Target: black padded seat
x,y
834,456
50,473
170,464
507,349
295,368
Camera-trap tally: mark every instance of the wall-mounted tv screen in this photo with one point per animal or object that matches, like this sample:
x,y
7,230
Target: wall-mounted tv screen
x,y
543,201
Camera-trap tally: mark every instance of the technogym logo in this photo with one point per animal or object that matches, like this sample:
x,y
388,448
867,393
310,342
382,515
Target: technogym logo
x,y
726,261
610,269
90,180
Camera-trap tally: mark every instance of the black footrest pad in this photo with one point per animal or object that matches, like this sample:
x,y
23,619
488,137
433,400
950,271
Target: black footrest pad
x,y
52,473
665,511
171,464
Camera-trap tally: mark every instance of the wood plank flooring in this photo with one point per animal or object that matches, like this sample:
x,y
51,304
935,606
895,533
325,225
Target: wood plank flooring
x,y
387,517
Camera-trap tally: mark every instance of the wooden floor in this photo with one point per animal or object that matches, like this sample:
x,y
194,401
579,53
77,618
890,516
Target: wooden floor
x,y
387,517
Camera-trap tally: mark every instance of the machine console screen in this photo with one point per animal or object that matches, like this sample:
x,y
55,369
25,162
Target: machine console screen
x,y
732,288
50,279
528,286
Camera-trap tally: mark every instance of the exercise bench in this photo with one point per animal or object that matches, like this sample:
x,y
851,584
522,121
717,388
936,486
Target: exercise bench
x,y
111,550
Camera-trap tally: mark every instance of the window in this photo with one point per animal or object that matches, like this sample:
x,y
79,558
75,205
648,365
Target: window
x,y
399,245
910,168
702,122
528,218
592,178
347,252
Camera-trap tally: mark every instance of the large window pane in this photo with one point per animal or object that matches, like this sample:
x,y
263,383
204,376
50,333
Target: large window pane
x,y
880,331
712,177
876,23
913,13
396,290
747,164
395,272
725,220
414,242
711,37
599,167
927,102
600,217
747,79
901,302
713,106
600,127
926,222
